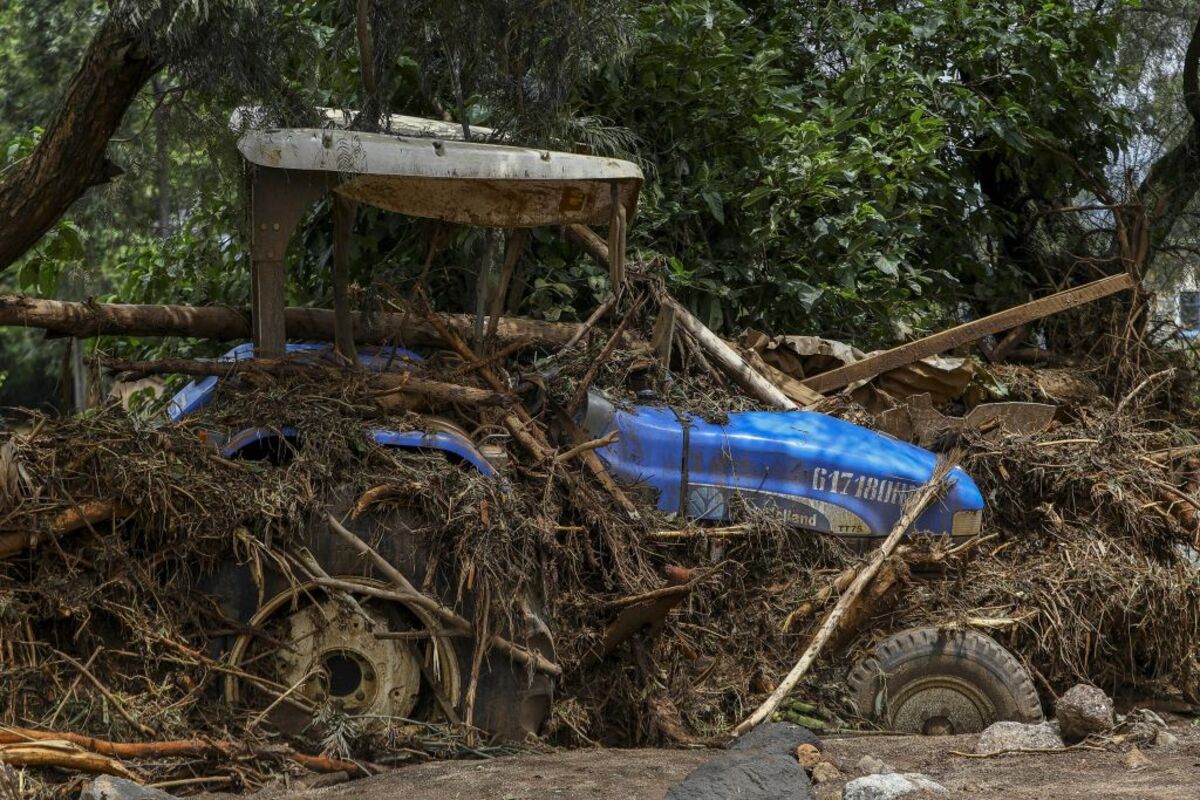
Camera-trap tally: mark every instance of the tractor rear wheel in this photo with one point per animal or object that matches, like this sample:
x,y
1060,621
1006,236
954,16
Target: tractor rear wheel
x,y
937,682
375,659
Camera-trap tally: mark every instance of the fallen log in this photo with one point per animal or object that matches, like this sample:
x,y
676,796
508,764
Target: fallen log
x,y
229,323
62,754
916,504
388,383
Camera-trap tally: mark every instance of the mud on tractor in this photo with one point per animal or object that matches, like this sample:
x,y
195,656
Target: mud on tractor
x,y
394,659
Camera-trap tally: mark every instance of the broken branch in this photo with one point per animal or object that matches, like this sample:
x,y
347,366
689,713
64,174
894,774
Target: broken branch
x,y
912,509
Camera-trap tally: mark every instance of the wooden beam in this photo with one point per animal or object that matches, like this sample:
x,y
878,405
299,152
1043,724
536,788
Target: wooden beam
x,y
940,342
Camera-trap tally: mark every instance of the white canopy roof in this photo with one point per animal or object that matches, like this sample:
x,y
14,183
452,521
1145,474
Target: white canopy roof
x,y
463,182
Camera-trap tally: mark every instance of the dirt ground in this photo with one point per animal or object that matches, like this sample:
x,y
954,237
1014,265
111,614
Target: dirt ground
x,y
1173,774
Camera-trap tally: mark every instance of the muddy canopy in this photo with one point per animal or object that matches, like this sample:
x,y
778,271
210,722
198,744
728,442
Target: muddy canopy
x,y
468,183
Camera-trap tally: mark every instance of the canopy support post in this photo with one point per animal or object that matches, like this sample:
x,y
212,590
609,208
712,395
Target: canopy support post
x,y
616,240
343,322
278,200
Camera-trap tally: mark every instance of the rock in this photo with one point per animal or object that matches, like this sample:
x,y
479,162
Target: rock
x,y
824,772
890,785
1082,711
878,787
1165,739
924,783
808,755
1135,759
781,737
108,787
1017,736
870,765
759,766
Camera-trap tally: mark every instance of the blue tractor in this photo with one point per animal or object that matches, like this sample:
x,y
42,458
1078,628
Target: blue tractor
x,y
826,475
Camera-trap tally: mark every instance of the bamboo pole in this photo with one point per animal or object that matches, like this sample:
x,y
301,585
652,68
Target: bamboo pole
x,y
912,509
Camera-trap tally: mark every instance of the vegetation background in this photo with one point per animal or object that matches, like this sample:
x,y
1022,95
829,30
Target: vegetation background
x,y
865,170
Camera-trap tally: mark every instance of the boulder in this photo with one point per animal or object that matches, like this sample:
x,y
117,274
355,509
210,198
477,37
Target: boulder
x,y
1082,711
1001,736
878,787
759,766
889,786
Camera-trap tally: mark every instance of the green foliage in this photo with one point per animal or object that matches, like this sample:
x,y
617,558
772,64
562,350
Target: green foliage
x,y
859,170
818,165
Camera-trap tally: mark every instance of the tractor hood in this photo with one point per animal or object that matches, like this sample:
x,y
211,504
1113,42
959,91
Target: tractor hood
x,y
833,476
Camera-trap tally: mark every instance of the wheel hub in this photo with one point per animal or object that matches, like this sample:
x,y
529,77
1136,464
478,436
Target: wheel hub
x,y
939,705
332,657
337,659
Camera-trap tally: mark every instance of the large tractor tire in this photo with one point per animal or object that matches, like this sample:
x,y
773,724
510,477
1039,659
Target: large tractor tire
x,y
385,661
935,682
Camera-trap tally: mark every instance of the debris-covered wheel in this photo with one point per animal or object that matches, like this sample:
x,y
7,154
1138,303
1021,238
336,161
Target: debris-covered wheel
x,y
373,659
376,659
938,682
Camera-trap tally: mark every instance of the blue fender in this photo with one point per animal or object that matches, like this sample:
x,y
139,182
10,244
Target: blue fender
x,y
829,474
199,393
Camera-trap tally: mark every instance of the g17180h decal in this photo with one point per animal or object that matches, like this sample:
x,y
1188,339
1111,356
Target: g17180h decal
x,y
881,490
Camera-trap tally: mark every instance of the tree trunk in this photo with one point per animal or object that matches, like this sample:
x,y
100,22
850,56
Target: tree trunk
x,y
70,158
227,323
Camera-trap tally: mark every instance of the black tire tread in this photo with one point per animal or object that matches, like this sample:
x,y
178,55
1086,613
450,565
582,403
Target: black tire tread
x,y
978,647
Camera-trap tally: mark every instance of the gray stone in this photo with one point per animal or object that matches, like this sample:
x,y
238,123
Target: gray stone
x,y
1017,736
924,783
878,787
108,787
1165,739
870,765
778,737
759,766
1082,711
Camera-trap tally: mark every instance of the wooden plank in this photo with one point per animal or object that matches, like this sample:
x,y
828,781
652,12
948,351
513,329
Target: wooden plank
x,y
664,335
968,332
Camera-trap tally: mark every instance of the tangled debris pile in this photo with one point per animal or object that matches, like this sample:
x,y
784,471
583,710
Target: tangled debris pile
x,y
119,530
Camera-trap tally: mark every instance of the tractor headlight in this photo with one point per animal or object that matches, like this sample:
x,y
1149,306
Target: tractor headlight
x,y
966,523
